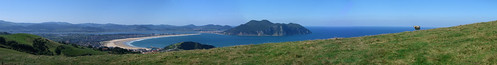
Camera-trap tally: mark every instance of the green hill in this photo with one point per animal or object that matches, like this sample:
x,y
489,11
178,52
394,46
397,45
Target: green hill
x,y
466,44
188,46
37,45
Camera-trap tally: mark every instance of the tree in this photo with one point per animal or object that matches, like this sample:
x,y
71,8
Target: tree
x,y
39,44
119,50
4,33
20,47
59,49
89,46
2,40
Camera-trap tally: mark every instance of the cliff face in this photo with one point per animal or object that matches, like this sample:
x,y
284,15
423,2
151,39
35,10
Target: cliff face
x,y
266,28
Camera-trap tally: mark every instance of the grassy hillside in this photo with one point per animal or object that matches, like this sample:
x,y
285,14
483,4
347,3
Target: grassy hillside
x,y
466,44
22,38
25,43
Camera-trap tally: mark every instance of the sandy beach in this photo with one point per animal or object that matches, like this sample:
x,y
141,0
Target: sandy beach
x,y
122,42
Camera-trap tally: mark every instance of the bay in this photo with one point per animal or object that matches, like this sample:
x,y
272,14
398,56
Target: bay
x,y
231,40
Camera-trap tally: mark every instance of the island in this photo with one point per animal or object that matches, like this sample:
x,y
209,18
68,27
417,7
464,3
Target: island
x,y
266,28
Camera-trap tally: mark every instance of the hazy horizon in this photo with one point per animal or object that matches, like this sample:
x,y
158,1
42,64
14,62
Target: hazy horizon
x,y
440,13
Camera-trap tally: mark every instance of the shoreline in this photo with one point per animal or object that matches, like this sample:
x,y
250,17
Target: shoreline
x,y
126,42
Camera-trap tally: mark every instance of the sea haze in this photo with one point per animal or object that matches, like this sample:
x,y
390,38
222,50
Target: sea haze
x,y
230,40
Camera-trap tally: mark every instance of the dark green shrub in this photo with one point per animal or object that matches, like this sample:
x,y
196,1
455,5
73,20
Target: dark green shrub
x,y
39,44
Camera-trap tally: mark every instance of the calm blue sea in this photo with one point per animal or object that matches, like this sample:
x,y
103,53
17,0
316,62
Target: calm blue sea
x,y
230,40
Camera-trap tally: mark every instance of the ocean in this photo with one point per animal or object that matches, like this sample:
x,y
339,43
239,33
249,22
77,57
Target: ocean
x,y
231,40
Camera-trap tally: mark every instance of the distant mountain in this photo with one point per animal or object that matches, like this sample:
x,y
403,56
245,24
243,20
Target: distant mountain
x,y
266,28
92,27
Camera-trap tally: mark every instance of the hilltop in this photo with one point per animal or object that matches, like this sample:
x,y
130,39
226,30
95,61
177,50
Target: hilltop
x,y
466,44
267,28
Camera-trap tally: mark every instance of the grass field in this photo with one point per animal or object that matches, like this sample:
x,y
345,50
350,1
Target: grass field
x,y
465,44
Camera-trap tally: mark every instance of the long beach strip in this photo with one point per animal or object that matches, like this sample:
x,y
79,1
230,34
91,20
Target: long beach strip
x,y
122,42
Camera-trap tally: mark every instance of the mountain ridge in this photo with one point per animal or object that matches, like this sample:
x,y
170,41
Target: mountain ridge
x,y
267,28
93,27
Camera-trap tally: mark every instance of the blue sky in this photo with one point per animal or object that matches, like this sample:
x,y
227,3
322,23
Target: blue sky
x,y
432,13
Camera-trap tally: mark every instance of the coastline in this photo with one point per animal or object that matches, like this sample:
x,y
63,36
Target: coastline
x,y
126,42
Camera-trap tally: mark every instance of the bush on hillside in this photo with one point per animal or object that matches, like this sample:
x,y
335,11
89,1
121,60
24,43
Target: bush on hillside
x,y
19,47
4,33
39,44
119,50
2,40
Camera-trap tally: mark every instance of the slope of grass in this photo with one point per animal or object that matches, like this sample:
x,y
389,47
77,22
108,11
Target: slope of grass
x,y
22,38
9,51
27,39
465,44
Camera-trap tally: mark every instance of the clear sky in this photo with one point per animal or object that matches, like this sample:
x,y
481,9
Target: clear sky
x,y
437,13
